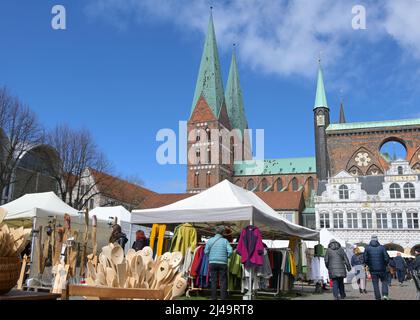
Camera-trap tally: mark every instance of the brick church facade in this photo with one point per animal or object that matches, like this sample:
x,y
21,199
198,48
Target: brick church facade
x,y
214,108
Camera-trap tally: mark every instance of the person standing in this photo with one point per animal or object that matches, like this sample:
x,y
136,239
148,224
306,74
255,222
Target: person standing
x,y
218,250
117,236
141,241
401,266
377,260
416,264
358,262
337,262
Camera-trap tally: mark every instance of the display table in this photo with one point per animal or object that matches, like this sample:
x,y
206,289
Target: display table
x,y
29,295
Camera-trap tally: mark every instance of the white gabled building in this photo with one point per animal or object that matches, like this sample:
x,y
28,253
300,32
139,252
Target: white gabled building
x,y
355,207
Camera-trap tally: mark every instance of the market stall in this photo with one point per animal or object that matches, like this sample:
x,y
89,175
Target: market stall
x,y
227,204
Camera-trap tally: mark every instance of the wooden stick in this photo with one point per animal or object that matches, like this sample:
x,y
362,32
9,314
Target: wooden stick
x,y
22,272
84,249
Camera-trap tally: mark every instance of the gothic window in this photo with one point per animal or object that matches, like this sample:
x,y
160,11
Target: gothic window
x,y
352,220
338,219
396,220
355,171
208,179
250,185
409,191
279,184
381,220
373,170
239,183
343,192
294,184
324,219
208,135
412,220
196,177
264,184
197,137
209,155
232,150
395,191
310,184
416,167
366,220
198,156
400,170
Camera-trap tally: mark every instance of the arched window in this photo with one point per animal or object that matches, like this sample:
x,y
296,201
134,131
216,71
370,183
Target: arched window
x,y
264,184
343,192
310,184
232,150
208,135
409,191
208,179
250,185
239,183
196,177
198,156
209,155
197,137
294,184
400,170
279,184
395,191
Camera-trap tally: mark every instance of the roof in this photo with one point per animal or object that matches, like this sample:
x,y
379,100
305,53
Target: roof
x,y
320,98
373,124
275,166
160,200
233,98
285,200
209,82
120,189
371,184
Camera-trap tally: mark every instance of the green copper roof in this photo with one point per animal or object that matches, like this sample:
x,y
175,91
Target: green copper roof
x,y
321,98
275,166
373,124
233,98
209,82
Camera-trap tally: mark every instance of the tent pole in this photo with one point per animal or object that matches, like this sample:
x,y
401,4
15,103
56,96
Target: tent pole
x,y
33,242
130,237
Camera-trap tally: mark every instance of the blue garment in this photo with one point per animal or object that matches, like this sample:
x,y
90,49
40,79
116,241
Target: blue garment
x,y
218,250
376,257
400,263
204,272
382,276
357,260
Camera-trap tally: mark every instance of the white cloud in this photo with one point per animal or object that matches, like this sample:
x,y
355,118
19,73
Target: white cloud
x,y
278,36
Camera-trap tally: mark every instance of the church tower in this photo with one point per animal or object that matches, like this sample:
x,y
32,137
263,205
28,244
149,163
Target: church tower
x,y
209,158
321,122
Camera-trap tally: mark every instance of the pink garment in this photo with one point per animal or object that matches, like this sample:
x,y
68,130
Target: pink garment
x,y
251,247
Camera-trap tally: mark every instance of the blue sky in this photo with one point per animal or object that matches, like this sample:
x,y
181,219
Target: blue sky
x,y
125,69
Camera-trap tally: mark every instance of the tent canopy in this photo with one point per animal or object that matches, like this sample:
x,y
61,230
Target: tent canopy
x,y
225,202
106,213
37,205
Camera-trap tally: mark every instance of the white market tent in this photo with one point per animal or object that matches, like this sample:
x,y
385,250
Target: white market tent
x,y
225,202
37,205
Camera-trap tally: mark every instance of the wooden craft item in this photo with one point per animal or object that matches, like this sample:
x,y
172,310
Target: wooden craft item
x,y
84,248
91,270
100,279
111,277
22,272
179,287
3,213
117,255
40,251
94,243
122,274
161,273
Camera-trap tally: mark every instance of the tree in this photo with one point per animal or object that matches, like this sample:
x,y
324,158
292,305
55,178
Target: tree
x,y
19,132
78,153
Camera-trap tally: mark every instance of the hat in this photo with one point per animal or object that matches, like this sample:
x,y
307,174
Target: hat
x,y
220,229
374,238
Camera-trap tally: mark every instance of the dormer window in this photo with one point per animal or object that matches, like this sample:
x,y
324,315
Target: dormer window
x,y
400,170
343,192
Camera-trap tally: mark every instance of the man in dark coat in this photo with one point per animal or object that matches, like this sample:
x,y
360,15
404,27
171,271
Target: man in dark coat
x,y
401,266
416,264
377,260
337,262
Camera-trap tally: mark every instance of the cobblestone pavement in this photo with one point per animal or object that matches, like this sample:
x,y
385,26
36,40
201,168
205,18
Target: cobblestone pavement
x,y
396,292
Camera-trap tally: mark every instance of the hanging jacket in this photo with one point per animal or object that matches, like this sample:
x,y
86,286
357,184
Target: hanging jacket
x,y
250,247
195,266
185,236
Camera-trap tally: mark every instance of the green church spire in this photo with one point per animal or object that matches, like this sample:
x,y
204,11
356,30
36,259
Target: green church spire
x,y
233,98
321,98
209,81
